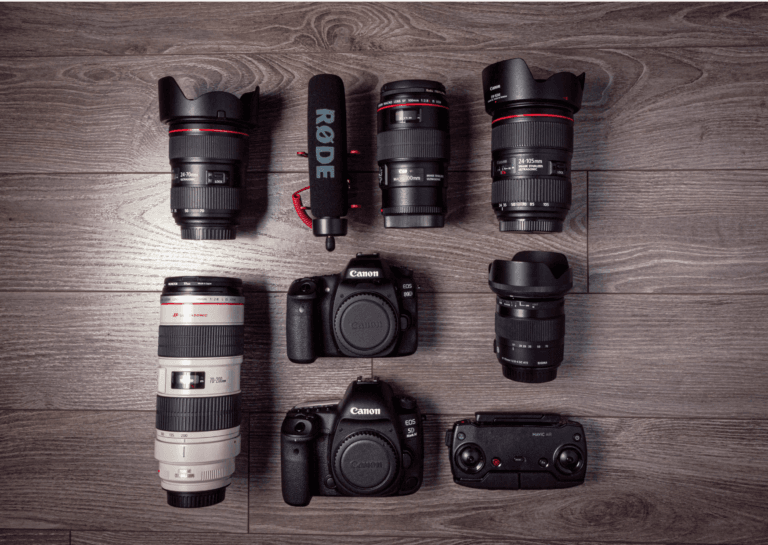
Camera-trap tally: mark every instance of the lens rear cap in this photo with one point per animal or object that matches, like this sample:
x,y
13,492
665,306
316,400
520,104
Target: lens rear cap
x,y
190,500
365,324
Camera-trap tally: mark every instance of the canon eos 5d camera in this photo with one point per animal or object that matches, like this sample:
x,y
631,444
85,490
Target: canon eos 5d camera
x,y
368,311
517,451
368,444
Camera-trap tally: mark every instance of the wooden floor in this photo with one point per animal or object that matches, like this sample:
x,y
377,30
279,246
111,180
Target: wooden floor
x,y
667,333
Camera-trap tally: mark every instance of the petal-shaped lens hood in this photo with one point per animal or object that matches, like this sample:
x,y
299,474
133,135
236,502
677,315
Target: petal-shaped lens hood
x,y
510,83
532,275
217,105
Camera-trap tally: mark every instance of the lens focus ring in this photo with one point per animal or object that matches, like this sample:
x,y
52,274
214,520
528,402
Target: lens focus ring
x,y
194,414
206,197
413,144
539,190
551,329
208,146
200,341
532,134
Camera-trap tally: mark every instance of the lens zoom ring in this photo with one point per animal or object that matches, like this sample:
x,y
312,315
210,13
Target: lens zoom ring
x,y
414,210
532,134
413,144
519,329
200,341
205,197
531,190
208,146
197,413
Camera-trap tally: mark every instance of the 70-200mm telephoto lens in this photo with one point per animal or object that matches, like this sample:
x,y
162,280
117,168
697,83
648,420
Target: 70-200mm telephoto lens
x,y
198,387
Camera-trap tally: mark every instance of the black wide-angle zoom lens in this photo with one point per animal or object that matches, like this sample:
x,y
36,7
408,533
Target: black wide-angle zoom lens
x,y
198,387
413,149
208,150
530,314
532,145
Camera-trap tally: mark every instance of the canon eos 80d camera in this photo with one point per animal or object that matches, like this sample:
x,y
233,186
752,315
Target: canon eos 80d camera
x,y
517,451
368,444
368,311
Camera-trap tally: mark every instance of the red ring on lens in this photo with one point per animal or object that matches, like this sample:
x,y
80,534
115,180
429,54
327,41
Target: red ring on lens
x,y
208,130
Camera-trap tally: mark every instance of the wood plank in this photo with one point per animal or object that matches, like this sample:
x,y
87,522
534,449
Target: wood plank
x,y
625,355
95,470
646,109
96,343
648,480
34,537
160,538
692,232
143,29
116,232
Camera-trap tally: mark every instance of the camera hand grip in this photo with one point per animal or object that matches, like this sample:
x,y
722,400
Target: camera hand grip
x,y
298,322
295,471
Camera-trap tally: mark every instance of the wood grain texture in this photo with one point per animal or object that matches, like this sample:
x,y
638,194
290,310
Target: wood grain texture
x,y
664,356
625,355
34,537
116,232
644,109
96,343
144,29
648,480
679,232
96,471
157,538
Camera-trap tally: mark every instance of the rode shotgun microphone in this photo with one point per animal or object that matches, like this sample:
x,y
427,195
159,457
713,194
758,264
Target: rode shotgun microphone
x,y
327,154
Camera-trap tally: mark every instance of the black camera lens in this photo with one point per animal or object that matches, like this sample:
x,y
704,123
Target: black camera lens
x,y
198,403
530,314
470,459
532,144
208,150
413,149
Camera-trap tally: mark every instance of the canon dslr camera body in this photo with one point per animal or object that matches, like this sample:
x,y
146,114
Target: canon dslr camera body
x,y
368,444
517,451
368,311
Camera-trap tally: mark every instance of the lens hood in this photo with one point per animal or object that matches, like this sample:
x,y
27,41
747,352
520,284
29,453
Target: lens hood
x,y
531,274
510,83
412,86
217,106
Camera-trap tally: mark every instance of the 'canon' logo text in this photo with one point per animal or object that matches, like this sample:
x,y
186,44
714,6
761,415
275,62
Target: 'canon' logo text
x,y
366,325
355,410
363,274
365,465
